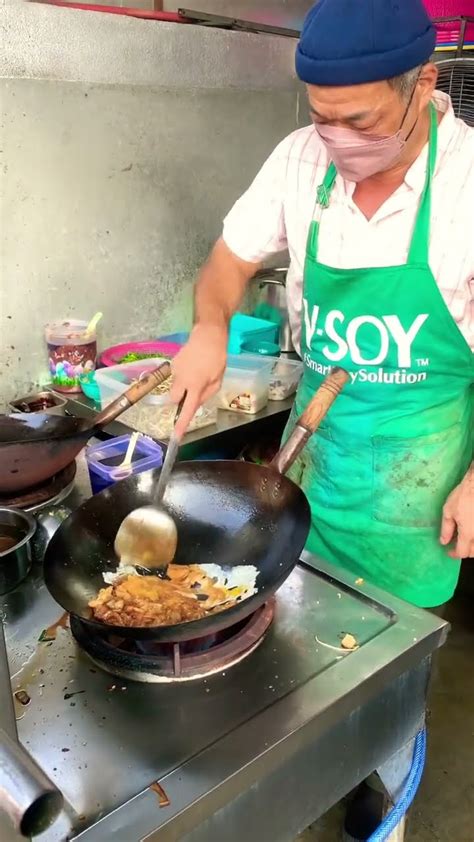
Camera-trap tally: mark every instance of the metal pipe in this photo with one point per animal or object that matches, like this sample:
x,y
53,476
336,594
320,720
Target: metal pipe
x,y
27,796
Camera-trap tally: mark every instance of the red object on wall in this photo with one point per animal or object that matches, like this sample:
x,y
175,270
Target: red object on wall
x,y
448,33
148,14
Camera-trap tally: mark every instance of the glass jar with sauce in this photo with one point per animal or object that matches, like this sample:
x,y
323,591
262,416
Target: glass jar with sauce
x,y
72,352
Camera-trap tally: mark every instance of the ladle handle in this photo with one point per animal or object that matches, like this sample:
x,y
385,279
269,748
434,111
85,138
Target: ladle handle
x,y
142,387
170,458
311,418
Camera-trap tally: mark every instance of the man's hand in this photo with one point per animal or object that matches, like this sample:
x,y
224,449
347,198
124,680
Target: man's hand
x,y
458,518
198,369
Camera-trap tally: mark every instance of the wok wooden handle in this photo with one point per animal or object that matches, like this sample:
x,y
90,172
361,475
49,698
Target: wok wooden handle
x,y
323,399
142,387
311,418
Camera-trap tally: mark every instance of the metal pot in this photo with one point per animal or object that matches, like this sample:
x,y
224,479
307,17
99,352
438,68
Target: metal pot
x,y
272,291
16,531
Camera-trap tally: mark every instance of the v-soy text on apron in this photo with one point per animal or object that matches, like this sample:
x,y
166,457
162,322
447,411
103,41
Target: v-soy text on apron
x,y
399,437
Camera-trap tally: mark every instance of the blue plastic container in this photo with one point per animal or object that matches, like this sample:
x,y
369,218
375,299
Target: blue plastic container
x,y
103,460
244,329
264,349
90,386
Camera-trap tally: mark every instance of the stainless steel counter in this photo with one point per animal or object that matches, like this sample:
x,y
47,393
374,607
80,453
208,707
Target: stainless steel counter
x,y
255,753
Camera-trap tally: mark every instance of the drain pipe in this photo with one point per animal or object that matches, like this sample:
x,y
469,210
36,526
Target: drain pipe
x,y
395,816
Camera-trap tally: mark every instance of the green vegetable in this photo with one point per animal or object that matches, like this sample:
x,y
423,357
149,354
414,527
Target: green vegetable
x,y
133,357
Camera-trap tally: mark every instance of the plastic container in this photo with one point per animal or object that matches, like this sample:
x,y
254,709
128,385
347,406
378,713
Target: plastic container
x,y
71,352
89,386
245,384
264,349
247,329
284,379
154,414
154,348
103,460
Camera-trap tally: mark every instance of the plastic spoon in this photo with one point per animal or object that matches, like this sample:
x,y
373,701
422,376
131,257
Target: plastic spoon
x,y
124,469
93,324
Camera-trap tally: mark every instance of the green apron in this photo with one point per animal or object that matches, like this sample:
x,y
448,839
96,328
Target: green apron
x,y
399,437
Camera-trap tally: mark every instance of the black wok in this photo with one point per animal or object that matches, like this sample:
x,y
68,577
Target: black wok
x,y
226,513
36,446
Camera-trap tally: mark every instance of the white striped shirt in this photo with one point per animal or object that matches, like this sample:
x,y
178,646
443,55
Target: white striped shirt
x,y
275,212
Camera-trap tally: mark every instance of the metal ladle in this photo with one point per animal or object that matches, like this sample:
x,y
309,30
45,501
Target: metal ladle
x,y
148,537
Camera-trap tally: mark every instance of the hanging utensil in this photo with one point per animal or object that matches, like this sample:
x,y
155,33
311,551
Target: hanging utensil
x,y
148,536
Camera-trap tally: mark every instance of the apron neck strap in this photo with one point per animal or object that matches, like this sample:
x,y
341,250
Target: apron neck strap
x,y
325,189
419,246
418,252
323,195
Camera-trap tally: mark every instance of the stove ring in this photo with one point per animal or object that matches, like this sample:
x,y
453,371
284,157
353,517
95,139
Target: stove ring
x,y
169,663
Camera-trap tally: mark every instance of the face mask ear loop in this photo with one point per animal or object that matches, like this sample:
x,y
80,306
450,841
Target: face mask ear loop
x,y
408,108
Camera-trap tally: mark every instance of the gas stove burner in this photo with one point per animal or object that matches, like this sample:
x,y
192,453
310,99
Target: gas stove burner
x,y
150,661
49,493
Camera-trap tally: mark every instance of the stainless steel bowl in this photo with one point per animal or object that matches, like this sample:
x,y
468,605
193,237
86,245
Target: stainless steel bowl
x,y
17,529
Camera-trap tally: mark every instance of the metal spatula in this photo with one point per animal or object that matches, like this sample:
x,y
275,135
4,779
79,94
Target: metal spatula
x,y
148,537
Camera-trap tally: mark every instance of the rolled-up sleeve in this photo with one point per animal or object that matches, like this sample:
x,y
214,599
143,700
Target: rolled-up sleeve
x,y
255,227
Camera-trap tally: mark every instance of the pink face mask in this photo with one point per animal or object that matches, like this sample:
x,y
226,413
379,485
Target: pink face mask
x,y
358,156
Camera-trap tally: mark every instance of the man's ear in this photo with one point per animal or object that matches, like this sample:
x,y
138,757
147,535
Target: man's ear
x,y
427,82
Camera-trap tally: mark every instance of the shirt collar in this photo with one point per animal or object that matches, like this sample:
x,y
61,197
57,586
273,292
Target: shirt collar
x,y
415,176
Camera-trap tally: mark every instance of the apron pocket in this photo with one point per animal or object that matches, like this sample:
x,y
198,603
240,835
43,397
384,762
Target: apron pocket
x,y
413,476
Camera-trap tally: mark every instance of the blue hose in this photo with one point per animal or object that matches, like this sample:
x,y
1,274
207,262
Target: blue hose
x,y
394,817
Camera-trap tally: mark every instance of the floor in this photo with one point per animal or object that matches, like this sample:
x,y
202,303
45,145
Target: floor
x,y
444,807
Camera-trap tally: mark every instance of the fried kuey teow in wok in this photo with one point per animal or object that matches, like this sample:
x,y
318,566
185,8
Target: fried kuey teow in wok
x,y
187,593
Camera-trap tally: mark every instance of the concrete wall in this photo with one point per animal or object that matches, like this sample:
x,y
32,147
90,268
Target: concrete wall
x,y
123,144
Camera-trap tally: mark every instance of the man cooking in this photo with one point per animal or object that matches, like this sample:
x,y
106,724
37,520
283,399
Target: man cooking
x,y
374,203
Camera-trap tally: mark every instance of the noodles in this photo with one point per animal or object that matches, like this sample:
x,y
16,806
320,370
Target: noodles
x,y
189,592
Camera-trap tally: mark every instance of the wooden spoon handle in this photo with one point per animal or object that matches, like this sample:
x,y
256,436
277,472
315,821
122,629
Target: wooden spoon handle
x,y
311,418
323,399
142,387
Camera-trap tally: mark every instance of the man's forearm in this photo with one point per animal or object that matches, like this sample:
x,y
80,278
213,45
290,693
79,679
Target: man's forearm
x,y
220,287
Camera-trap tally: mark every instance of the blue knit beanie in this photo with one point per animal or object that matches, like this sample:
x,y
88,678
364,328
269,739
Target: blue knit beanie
x,y
348,42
